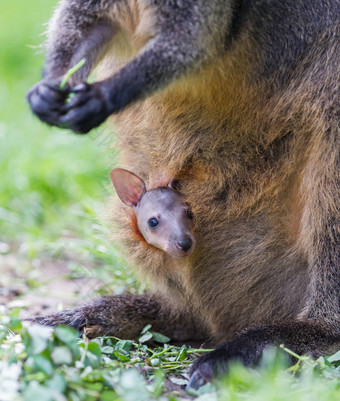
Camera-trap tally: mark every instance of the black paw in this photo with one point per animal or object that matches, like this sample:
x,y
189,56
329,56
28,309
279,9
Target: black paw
x,y
86,108
244,348
47,101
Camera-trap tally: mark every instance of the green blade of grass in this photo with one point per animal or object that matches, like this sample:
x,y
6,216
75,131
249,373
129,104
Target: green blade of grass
x,y
70,72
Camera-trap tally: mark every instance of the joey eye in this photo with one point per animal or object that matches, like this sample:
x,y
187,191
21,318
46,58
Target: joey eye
x,y
190,214
153,222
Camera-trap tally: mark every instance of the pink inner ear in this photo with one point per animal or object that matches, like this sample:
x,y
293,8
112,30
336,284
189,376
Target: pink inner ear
x,y
130,188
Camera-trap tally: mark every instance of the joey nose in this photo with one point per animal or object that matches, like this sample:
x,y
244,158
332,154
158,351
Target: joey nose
x,y
184,244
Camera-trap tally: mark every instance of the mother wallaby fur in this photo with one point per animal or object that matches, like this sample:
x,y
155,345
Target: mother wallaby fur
x,y
239,101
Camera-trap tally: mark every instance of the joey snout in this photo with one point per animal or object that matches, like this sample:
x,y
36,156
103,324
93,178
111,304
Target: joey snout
x,y
181,246
184,244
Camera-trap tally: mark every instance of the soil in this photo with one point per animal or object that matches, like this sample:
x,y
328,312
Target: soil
x,y
42,288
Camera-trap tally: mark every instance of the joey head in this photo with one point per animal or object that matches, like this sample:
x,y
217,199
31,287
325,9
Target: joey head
x,y
163,218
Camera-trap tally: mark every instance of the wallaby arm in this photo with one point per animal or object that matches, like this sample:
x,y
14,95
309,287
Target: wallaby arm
x,y
183,41
156,67
77,29
74,32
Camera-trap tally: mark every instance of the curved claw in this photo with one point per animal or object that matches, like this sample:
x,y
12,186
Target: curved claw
x,y
202,371
196,381
81,87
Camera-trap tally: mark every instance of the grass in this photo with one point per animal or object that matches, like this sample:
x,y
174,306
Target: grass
x,y
52,192
53,183
36,363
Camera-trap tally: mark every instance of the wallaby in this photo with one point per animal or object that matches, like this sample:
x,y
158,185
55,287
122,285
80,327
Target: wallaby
x,y
163,218
239,100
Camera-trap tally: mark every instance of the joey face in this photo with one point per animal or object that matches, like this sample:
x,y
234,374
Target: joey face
x,y
163,218
165,221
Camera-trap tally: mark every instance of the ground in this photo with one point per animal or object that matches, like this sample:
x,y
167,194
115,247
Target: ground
x,y
50,287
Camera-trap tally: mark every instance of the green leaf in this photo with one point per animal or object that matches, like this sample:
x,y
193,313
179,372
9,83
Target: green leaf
x,y
108,396
94,348
160,338
334,358
155,362
57,382
179,381
182,354
38,337
94,386
15,324
43,364
124,345
326,361
107,349
66,334
14,313
35,391
92,360
158,382
94,375
62,356
146,328
122,357
145,337
132,387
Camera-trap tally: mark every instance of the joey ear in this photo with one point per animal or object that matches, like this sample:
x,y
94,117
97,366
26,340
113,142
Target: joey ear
x,y
130,188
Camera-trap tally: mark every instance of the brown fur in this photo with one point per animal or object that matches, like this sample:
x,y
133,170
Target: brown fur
x,y
252,134
252,238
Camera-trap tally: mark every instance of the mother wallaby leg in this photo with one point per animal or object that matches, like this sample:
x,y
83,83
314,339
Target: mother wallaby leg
x,y
125,316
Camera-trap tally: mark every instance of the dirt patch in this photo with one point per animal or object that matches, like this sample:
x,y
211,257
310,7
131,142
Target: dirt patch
x,y
41,288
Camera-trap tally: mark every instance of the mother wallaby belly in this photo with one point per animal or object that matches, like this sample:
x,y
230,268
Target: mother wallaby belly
x,y
247,267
